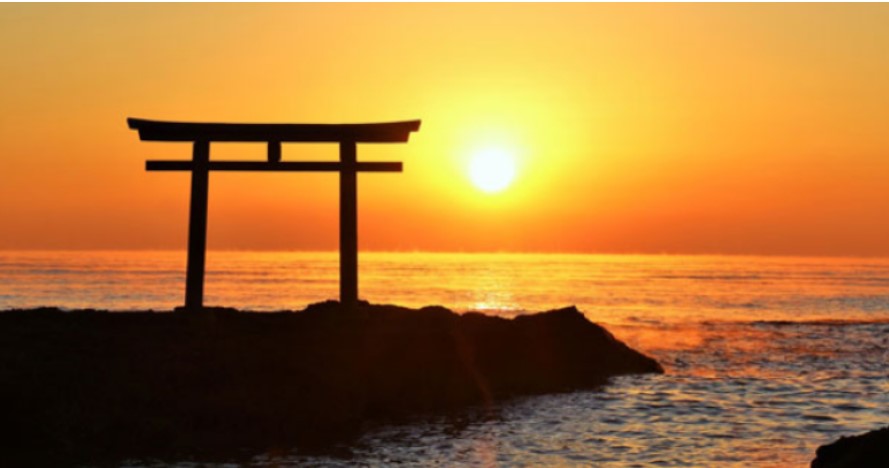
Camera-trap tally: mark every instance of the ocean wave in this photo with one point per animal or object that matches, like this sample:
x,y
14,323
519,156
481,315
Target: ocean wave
x,y
720,277
821,322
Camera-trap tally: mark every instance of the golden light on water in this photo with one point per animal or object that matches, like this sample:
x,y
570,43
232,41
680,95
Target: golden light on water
x,y
492,170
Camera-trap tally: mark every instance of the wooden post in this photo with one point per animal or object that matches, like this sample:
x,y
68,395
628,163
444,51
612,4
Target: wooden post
x,y
348,226
197,227
274,151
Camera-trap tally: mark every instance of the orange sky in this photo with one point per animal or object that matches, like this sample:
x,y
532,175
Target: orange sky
x,y
752,128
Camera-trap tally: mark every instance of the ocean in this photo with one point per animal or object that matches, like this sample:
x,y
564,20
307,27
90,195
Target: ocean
x,y
766,358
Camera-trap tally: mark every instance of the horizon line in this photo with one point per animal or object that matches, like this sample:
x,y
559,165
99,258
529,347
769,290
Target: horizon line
x,y
465,252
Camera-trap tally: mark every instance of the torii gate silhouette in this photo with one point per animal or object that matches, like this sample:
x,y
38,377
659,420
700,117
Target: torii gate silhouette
x,y
202,134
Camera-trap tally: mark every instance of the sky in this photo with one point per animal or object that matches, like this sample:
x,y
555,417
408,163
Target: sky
x,y
757,129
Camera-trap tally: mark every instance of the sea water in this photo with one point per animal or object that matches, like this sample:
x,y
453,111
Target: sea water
x,y
766,357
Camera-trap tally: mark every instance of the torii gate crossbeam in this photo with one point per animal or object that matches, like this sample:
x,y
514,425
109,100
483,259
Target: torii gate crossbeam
x,y
202,134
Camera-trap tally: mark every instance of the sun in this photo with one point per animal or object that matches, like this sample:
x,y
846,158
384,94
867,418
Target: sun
x,y
492,170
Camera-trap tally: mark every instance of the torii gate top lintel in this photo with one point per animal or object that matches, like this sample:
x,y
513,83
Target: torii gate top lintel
x,y
202,134
387,132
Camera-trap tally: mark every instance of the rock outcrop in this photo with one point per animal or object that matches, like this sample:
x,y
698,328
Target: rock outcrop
x,y
869,450
93,385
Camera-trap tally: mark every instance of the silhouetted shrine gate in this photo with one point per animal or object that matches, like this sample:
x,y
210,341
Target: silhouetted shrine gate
x,y
202,134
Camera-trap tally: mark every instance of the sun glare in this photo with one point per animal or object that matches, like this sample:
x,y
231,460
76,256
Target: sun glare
x,y
492,170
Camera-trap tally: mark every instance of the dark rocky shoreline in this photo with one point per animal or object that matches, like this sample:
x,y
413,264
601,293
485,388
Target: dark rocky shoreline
x,y
868,450
93,386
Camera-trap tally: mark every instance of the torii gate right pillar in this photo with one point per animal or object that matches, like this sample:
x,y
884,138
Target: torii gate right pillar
x,y
348,226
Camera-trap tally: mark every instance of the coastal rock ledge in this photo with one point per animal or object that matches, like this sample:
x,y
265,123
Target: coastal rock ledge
x,y
92,385
868,450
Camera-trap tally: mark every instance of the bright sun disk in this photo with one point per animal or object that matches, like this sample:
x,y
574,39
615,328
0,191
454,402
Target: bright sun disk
x,y
492,170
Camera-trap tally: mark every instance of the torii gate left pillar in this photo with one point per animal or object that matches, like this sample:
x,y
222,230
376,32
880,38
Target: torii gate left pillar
x,y
202,134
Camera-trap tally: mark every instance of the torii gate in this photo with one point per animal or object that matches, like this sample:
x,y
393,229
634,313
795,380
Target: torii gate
x,y
202,134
